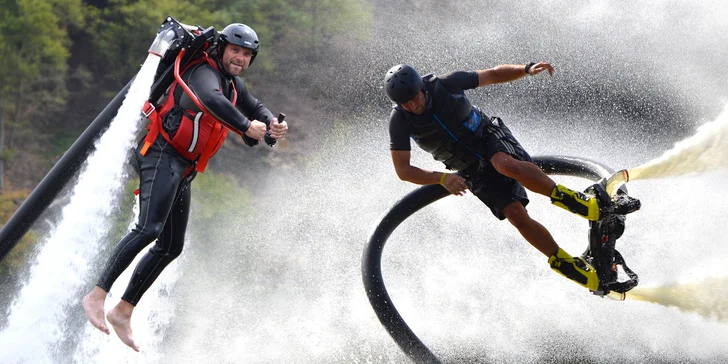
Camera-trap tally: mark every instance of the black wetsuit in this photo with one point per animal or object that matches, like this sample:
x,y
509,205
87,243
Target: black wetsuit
x,y
462,137
164,195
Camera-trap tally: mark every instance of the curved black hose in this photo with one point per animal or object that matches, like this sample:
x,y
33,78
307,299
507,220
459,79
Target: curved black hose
x,y
54,181
408,205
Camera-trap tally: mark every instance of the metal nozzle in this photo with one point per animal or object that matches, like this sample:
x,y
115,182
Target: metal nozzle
x,y
617,296
616,181
163,42
189,28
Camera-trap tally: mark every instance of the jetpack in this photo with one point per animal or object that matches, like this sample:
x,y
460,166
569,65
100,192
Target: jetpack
x,y
176,44
603,234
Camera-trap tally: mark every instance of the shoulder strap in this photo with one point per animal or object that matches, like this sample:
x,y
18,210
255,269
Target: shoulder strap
x,y
430,77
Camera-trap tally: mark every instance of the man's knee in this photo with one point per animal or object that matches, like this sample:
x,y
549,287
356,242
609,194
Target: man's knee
x,y
517,215
167,250
175,251
150,232
505,164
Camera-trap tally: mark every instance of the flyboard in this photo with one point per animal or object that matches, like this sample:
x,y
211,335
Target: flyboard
x,y
600,251
176,44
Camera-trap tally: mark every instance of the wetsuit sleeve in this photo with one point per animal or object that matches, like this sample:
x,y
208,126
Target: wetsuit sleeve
x,y
205,84
399,138
249,105
459,81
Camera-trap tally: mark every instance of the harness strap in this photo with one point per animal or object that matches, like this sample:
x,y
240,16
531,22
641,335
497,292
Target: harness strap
x,y
154,127
219,133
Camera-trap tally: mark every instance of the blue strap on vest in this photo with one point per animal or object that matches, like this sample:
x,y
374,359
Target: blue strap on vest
x,y
471,123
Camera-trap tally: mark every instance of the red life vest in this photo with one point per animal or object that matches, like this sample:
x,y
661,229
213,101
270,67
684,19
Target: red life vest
x,y
199,136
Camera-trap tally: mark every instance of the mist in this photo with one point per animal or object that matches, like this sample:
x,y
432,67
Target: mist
x,y
280,281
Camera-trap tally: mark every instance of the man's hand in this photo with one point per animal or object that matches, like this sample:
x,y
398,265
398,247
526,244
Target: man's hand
x,y
278,130
256,130
454,184
510,72
540,67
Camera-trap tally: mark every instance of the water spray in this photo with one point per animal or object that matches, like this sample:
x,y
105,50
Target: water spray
x,y
706,298
704,151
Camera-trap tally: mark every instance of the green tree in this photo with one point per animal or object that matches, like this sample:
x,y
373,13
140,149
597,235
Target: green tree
x,y
295,30
126,28
33,52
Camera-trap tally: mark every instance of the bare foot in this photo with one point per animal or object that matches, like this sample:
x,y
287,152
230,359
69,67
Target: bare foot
x,y
120,319
93,304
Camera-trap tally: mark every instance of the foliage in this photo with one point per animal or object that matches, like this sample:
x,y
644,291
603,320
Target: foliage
x,y
19,256
63,58
35,45
15,263
126,28
34,48
10,201
216,195
33,40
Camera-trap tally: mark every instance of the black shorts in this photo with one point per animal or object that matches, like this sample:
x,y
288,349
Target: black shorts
x,y
494,189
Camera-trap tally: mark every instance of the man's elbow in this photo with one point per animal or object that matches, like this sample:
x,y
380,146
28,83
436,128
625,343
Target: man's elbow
x,y
402,173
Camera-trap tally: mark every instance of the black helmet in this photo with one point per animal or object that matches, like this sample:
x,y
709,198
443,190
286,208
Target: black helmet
x,y
240,35
402,83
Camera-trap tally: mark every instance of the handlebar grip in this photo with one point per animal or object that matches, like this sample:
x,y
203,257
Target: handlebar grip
x,y
268,140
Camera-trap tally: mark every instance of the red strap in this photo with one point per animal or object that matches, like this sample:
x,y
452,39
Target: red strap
x,y
148,108
219,134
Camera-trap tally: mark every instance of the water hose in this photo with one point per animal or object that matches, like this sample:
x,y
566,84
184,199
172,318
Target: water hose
x,y
371,269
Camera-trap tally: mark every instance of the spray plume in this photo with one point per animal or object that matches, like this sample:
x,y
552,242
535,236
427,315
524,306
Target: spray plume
x,y
705,298
706,150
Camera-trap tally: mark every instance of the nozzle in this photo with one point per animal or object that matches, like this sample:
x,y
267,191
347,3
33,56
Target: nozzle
x,y
617,296
172,35
163,42
616,181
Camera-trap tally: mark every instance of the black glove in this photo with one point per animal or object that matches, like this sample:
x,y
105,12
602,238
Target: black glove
x,y
249,141
268,139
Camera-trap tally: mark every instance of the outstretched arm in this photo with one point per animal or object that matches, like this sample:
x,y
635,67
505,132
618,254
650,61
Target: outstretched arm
x,y
249,105
260,117
510,72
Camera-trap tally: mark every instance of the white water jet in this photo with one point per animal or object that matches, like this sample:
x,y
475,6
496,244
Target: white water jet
x,y
35,322
704,151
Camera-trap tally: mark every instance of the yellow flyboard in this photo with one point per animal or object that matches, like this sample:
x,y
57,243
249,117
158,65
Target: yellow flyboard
x,y
603,234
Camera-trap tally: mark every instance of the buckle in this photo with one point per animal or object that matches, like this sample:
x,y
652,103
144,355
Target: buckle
x,y
148,106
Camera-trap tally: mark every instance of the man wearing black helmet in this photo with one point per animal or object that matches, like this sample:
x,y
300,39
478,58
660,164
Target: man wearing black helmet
x,y
486,157
185,130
